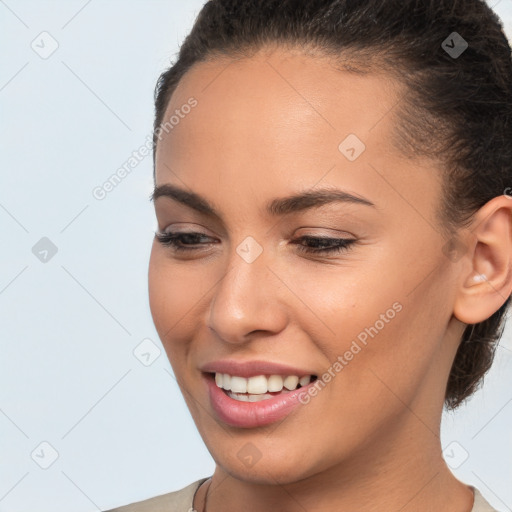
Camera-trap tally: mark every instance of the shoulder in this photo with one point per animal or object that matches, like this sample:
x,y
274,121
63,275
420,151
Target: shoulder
x,y
481,505
176,501
181,501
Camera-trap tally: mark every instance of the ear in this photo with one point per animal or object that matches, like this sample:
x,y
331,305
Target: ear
x,y
488,283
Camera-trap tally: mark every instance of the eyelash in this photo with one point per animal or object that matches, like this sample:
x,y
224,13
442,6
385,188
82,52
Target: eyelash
x,y
171,239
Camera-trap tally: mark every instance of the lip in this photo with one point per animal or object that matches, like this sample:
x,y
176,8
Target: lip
x,y
252,414
252,368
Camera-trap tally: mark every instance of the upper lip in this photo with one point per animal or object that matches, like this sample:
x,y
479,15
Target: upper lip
x,y
252,368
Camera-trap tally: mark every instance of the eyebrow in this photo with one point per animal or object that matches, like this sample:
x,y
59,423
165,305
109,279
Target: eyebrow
x,y
275,207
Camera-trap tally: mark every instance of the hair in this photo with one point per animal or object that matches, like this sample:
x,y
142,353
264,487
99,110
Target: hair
x,y
455,109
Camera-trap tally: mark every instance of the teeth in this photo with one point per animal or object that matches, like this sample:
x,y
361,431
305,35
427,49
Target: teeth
x,y
239,396
243,397
291,382
259,385
275,383
304,381
238,384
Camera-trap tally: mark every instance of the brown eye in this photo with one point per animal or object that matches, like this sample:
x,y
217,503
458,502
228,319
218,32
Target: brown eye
x,y
182,241
324,245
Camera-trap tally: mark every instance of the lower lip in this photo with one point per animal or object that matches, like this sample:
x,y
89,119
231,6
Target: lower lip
x,y
252,414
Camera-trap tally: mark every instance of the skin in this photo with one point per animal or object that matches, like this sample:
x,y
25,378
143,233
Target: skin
x,y
266,127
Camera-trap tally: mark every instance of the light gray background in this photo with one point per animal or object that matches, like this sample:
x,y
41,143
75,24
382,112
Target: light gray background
x,y
116,427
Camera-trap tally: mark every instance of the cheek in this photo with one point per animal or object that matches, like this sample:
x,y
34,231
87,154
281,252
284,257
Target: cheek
x,y
165,291
385,333
176,293
157,289
348,305
387,358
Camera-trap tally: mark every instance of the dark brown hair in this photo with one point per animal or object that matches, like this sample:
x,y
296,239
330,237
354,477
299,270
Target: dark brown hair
x,y
456,109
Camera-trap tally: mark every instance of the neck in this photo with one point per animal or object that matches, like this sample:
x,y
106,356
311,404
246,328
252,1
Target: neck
x,y
402,470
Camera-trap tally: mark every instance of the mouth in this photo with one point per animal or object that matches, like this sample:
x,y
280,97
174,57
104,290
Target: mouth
x,y
259,387
257,400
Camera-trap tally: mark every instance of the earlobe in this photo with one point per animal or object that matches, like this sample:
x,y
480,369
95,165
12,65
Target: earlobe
x,y
488,283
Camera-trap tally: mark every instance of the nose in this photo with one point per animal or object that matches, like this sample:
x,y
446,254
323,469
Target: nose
x,y
248,299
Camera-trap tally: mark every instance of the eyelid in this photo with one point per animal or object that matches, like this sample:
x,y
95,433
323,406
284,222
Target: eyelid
x,y
316,231
311,231
186,227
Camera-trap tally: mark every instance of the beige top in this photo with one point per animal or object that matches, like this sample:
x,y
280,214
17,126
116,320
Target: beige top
x,y
181,501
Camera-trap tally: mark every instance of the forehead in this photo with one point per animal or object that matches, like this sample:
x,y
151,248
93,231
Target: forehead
x,y
280,120
280,96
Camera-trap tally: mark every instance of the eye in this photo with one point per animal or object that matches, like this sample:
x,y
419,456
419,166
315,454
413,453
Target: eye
x,y
325,245
188,241
181,241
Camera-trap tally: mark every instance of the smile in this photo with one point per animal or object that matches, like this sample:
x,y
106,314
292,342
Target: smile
x,y
250,403
259,387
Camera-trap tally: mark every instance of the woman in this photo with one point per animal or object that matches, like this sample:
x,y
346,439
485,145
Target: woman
x,y
332,263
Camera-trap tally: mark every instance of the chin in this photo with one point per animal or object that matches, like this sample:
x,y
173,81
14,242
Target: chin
x,y
259,463
265,473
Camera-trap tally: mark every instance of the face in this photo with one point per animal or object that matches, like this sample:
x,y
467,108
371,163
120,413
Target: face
x,y
253,283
